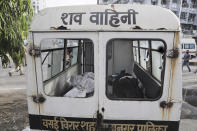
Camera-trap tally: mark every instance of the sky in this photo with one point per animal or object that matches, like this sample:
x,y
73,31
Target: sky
x,y
52,3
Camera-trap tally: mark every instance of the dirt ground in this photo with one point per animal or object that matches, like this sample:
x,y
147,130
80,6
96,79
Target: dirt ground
x,y
13,111
13,103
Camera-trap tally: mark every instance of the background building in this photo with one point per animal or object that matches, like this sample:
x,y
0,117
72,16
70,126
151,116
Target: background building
x,y
186,10
38,5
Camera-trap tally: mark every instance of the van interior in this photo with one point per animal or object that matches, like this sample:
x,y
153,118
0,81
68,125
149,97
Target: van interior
x,y
134,68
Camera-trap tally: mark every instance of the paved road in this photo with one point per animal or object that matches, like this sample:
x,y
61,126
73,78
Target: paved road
x,y
189,78
189,82
16,82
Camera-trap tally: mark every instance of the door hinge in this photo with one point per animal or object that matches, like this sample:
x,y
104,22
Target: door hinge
x,y
165,104
173,53
38,98
35,51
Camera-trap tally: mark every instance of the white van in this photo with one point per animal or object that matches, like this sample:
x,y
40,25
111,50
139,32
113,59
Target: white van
x,y
189,44
104,68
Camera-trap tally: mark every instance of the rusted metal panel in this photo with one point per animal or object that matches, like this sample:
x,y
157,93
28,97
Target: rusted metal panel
x,y
32,88
175,89
132,109
65,106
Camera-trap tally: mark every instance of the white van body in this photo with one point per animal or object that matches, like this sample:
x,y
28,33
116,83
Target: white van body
x,y
189,44
104,67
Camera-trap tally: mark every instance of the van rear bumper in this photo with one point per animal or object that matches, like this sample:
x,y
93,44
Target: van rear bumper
x,y
41,122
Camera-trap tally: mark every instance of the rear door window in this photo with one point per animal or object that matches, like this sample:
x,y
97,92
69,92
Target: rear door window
x,y
68,67
135,69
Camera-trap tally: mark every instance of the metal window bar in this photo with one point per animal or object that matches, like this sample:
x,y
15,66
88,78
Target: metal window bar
x,y
54,49
139,58
45,57
64,55
150,55
83,57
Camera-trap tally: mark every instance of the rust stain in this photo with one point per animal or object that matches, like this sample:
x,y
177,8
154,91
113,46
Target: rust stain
x,y
169,112
40,105
41,108
163,113
174,63
35,105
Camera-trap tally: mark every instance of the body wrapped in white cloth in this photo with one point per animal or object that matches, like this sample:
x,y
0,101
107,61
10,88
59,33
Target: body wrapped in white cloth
x,y
82,85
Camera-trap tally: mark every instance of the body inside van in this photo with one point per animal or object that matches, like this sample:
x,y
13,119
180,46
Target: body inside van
x,y
104,68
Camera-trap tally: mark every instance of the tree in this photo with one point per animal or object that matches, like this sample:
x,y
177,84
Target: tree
x,y
15,17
